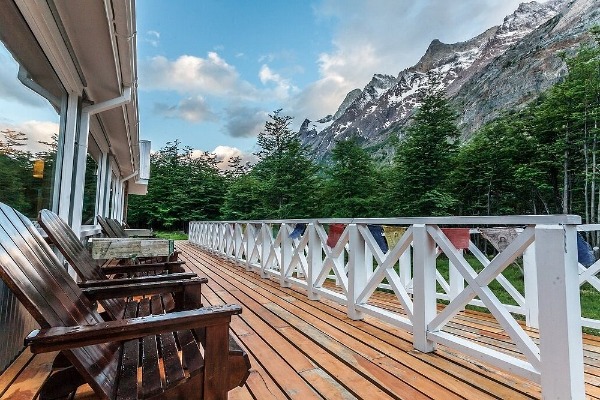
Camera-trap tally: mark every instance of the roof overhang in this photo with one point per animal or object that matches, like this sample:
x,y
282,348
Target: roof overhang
x,y
83,46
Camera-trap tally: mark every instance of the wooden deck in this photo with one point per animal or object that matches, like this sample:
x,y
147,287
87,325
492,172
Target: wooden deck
x,y
302,349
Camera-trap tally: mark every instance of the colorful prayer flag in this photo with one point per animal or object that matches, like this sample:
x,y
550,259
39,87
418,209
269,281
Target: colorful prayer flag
x,y
393,234
377,232
500,238
298,231
335,231
459,237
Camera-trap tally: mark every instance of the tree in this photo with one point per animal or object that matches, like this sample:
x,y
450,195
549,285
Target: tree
x,y
182,188
283,184
495,173
424,158
351,189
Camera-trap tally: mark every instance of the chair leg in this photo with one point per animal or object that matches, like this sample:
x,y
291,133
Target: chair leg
x,y
61,385
61,361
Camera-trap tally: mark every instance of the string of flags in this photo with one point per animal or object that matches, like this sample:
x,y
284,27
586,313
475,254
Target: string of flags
x,y
388,236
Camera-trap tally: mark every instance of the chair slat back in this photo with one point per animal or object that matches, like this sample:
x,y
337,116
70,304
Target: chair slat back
x,y
78,256
35,275
116,227
106,228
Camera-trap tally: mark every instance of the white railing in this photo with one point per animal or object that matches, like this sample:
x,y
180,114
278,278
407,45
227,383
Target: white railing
x,y
412,270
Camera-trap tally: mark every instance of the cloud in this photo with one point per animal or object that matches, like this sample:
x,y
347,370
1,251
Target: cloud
x,y
244,121
224,153
153,38
386,36
190,74
192,109
283,87
36,131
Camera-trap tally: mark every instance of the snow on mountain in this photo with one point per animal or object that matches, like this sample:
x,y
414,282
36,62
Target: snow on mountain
x,y
386,103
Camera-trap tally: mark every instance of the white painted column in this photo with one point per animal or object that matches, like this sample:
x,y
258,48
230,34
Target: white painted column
x,y
424,290
68,154
81,161
101,184
531,287
314,261
561,348
357,271
108,187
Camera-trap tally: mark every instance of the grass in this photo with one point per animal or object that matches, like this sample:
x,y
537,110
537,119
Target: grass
x,y
177,235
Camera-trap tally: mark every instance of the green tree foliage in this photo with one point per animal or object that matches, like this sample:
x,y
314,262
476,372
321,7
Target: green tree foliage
x,y
494,174
182,188
351,188
424,158
283,184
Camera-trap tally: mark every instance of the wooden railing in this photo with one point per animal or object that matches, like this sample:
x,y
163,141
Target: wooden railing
x,y
412,270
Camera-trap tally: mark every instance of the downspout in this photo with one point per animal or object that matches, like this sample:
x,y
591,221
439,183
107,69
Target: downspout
x,y
82,144
26,80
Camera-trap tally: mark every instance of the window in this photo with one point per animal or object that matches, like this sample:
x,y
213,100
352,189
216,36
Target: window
x,y
29,129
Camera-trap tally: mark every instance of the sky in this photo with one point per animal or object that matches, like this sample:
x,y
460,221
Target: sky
x,y
210,71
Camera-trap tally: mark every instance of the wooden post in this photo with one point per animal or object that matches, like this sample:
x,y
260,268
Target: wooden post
x,y
424,291
561,348
531,288
216,362
315,259
357,271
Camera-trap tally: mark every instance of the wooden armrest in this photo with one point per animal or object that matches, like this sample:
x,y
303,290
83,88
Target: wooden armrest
x,y
144,267
138,279
140,289
69,337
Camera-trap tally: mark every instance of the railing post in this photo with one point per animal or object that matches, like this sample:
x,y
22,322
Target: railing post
x,y
561,348
267,235
531,288
457,282
357,270
424,290
315,259
405,268
250,238
286,255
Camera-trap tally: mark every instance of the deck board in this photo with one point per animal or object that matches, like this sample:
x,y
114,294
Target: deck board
x,y
302,349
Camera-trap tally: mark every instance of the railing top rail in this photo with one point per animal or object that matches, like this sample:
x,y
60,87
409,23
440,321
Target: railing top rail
x,y
563,219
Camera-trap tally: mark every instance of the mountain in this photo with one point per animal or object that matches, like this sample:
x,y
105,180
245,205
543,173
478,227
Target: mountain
x,y
502,68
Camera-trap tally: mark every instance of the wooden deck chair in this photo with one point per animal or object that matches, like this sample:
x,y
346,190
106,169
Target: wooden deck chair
x,y
113,229
108,354
67,242
106,228
93,275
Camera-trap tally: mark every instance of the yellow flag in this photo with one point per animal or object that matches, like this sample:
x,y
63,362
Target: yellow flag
x,y
393,234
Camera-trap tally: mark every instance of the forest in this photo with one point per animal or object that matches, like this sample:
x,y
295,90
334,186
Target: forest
x,y
542,159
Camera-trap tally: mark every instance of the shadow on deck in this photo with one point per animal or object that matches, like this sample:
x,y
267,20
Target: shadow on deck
x,y
302,349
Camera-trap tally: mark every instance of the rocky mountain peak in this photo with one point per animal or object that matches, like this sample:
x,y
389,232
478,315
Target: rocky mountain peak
x,y
501,68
